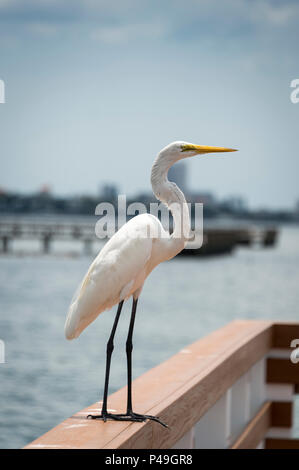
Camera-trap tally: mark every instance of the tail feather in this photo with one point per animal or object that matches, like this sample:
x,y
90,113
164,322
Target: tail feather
x,y
71,327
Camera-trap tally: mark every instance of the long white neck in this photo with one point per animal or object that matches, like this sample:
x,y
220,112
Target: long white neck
x,y
171,195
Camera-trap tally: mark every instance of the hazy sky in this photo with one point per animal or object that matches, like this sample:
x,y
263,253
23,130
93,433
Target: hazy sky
x,y
95,88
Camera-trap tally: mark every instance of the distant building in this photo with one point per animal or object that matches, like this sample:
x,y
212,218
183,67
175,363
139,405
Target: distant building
x,y
209,201
178,174
205,197
45,189
234,204
109,193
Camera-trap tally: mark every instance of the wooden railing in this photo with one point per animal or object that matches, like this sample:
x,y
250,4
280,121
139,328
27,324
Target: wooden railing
x,y
231,389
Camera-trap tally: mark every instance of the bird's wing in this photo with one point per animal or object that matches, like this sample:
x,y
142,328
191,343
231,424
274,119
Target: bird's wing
x,y
119,268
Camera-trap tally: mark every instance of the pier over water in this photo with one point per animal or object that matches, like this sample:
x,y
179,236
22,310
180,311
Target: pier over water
x,y
215,240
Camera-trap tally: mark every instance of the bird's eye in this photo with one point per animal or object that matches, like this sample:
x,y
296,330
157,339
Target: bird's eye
x,y
184,148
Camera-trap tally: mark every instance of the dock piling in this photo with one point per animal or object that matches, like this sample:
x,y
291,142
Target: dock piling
x,y
5,243
46,242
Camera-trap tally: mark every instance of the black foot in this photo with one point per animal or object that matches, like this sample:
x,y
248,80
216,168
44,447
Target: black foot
x,y
135,417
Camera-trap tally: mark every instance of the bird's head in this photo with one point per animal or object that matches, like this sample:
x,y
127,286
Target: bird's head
x,y
178,150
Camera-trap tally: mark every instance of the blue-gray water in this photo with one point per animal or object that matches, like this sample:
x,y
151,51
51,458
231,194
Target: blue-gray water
x,y
45,378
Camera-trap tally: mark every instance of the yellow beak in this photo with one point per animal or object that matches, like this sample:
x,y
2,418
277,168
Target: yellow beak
x,y
205,149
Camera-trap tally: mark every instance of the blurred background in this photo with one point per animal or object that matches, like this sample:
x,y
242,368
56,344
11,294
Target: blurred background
x,y
93,90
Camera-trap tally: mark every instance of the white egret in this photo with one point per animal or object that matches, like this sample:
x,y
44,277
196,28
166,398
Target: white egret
x,y
123,264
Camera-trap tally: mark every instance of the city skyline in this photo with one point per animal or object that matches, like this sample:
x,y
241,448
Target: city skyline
x,y
133,195
110,190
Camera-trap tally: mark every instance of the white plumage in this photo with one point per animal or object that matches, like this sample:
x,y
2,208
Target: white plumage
x,y
123,264
118,272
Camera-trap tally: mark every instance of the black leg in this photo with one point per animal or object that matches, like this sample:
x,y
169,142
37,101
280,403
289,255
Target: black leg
x,y
109,350
129,349
130,415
